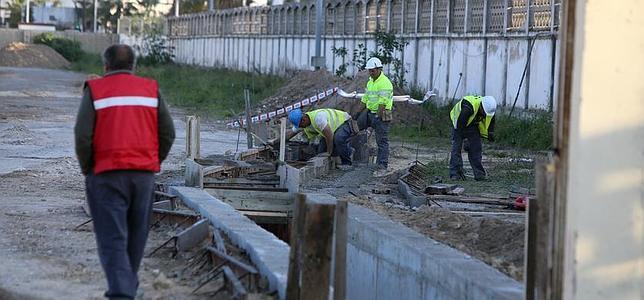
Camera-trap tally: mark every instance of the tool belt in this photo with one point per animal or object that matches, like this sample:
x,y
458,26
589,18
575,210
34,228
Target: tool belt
x,y
387,116
353,126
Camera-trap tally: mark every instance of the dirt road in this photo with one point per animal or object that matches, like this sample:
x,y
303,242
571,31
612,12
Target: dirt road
x,y
42,190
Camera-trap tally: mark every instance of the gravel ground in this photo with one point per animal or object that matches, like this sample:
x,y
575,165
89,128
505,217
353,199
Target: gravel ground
x,y
42,190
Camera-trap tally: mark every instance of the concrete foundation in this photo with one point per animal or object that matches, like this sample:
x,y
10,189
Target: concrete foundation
x,y
268,253
386,260
291,177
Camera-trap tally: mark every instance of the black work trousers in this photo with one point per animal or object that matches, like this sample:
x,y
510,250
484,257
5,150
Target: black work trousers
x,y
121,205
474,152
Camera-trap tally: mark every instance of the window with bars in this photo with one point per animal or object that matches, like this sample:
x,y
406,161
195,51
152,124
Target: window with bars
x,y
395,18
350,18
410,16
457,17
372,16
339,19
425,12
441,10
399,16
360,18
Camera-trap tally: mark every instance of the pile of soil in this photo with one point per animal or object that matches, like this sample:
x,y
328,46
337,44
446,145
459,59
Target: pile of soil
x,y
303,84
31,56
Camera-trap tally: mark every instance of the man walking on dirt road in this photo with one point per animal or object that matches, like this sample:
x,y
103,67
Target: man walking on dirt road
x,y
123,132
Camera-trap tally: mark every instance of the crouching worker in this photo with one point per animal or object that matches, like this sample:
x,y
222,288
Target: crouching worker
x,y
335,126
472,119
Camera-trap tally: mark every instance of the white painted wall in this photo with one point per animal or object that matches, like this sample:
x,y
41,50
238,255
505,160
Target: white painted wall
x,y
490,65
605,197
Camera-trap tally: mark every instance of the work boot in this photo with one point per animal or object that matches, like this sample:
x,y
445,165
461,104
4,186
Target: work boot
x,y
380,171
460,175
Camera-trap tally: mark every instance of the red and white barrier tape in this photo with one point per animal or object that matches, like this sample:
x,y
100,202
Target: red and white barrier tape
x,y
262,117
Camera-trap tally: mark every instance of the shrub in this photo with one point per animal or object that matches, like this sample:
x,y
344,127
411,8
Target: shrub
x,y
69,49
155,50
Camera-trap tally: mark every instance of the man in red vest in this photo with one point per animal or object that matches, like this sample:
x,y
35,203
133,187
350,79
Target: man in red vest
x,y
123,132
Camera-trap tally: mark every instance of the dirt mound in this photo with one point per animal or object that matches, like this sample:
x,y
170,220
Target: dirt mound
x,y
495,241
31,56
304,84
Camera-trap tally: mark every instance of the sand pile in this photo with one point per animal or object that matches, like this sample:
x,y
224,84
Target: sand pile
x,y
304,84
31,56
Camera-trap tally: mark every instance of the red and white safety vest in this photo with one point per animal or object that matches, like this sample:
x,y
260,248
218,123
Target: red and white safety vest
x,y
126,128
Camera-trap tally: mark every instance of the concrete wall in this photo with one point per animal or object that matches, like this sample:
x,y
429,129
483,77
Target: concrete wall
x,y
90,42
490,65
605,197
386,260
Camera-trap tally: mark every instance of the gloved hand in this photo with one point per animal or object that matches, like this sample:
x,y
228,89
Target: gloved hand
x,y
490,137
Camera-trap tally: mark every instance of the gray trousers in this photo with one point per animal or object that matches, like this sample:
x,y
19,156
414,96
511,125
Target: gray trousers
x,y
369,119
121,205
474,152
340,143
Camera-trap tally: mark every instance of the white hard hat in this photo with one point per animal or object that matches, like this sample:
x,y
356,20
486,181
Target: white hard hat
x,y
373,63
489,105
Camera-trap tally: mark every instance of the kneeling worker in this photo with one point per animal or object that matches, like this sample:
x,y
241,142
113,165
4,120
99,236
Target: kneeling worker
x,y
332,124
472,118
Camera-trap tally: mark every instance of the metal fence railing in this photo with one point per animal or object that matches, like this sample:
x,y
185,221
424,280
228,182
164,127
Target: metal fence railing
x,y
359,17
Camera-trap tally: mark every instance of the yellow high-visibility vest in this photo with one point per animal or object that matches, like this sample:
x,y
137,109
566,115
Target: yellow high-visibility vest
x,y
476,101
379,92
335,119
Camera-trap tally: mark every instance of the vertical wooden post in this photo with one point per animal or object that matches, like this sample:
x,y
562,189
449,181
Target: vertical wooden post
x,y
316,250
282,139
540,234
295,256
340,264
249,128
192,137
309,273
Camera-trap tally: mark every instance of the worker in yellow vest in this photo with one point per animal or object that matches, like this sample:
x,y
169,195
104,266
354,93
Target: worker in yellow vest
x,y
334,126
472,118
378,101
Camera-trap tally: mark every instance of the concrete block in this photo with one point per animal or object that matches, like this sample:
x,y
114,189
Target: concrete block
x,y
411,266
193,174
411,199
268,253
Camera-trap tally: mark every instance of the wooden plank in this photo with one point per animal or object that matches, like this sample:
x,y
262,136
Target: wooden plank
x,y
234,286
246,188
278,197
164,195
235,181
540,232
439,189
232,260
340,258
316,247
192,236
295,256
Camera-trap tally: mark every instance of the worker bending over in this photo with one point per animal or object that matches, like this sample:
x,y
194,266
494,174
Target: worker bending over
x,y
333,125
472,118
378,101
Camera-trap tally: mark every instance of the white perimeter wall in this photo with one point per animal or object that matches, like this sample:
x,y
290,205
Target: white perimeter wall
x,y
490,65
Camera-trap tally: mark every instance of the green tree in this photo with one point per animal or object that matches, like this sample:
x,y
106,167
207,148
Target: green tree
x,y
110,11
